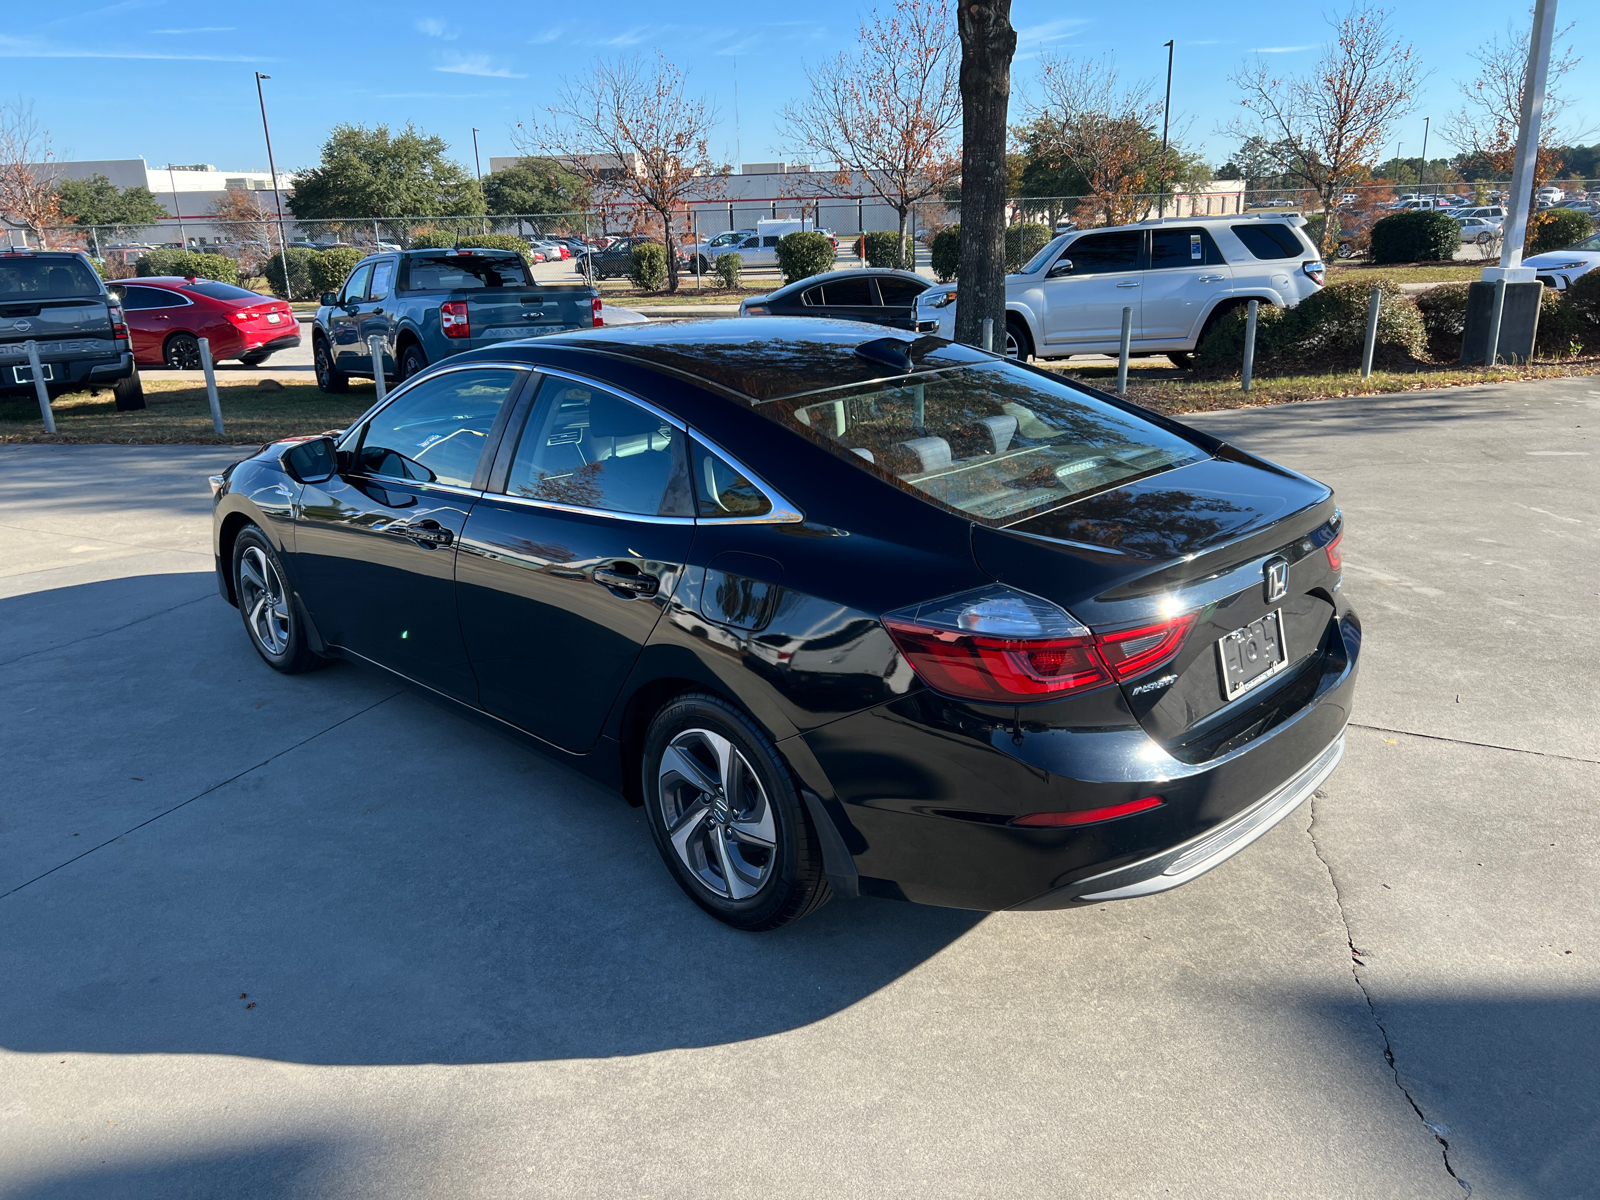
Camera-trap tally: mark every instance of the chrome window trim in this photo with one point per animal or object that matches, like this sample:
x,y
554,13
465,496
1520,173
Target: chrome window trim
x,y
449,489
652,409
783,513
531,502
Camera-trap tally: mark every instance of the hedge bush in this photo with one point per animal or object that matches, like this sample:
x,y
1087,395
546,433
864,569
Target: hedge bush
x,y
1023,242
1556,229
1564,321
648,267
330,268
1444,317
728,267
1562,330
186,263
300,260
1325,331
1584,296
880,248
1418,236
946,253
802,255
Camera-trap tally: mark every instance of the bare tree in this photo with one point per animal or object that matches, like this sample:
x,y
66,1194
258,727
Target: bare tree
x,y
27,181
1334,121
987,43
254,226
1103,132
885,113
1485,126
629,131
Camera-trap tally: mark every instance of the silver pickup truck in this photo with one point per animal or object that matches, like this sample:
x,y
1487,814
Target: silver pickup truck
x,y
56,300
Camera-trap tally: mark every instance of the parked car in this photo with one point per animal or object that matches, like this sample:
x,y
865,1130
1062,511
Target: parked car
x,y
615,259
1494,212
707,249
1559,268
428,305
1587,207
1178,275
1479,230
879,297
56,300
168,315
844,613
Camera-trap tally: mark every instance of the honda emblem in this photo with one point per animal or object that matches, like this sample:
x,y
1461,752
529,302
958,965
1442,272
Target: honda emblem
x,y
1276,570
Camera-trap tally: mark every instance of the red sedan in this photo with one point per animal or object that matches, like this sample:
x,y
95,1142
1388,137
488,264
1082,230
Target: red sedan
x,y
168,317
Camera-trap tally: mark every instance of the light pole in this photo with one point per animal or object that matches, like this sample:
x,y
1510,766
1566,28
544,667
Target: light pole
x,y
477,167
1166,110
1522,171
177,209
277,197
1422,167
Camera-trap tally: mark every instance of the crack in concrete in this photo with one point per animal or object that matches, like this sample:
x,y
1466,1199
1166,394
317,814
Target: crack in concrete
x,y
206,792
89,637
1438,1131
1435,737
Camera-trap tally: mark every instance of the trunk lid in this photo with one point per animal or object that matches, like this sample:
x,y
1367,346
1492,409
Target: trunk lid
x,y
1197,539
499,315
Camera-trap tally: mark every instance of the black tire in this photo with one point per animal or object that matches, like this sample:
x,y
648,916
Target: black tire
x,y
329,378
129,392
702,264
722,857
271,616
412,360
1019,342
254,360
1181,359
182,352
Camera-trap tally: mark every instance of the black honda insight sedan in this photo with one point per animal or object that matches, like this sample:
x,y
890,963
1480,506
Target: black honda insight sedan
x,y
846,613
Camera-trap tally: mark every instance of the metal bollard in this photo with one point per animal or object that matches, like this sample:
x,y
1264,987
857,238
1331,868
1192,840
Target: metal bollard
x,y
375,348
1372,332
1122,352
987,339
1492,355
209,368
1249,344
32,348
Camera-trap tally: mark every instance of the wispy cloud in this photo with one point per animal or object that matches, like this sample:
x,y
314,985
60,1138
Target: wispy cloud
x,y
548,36
434,27
1047,32
433,95
1282,49
199,29
479,64
634,36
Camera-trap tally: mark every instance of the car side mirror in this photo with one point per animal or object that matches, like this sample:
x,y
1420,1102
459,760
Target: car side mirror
x,y
315,461
329,299
1063,267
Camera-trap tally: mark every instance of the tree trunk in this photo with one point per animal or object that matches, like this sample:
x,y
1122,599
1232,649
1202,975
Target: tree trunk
x,y
987,44
900,246
672,258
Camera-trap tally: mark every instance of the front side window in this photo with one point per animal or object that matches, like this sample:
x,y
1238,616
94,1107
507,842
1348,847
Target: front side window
x,y
1269,240
589,448
1105,253
1182,248
356,286
995,443
136,297
435,431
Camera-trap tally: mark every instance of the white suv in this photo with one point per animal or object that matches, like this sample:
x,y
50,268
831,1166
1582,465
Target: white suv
x,y
1177,275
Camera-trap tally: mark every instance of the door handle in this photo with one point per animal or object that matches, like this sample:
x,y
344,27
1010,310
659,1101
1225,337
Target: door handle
x,y
638,585
1128,283
1210,278
428,534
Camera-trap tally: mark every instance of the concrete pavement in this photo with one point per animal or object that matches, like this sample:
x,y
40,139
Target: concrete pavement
x,y
315,936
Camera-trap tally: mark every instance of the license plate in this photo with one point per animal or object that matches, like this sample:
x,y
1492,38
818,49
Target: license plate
x,y
274,318
1252,655
25,374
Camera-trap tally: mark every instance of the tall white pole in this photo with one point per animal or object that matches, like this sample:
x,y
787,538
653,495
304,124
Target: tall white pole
x,y
1521,204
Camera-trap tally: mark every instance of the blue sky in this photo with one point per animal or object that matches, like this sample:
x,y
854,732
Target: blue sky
x,y
172,80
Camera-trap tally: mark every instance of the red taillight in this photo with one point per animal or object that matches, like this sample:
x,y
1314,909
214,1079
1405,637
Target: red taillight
x,y
1089,816
1131,652
1335,556
975,667
119,327
453,319
245,315
594,312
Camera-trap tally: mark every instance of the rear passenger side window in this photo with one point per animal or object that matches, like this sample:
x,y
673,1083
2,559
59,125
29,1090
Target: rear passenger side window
x,y
723,491
1183,248
382,275
900,291
589,448
1269,240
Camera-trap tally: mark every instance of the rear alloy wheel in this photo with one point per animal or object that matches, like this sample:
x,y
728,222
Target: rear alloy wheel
x,y
727,818
182,352
267,606
412,360
329,377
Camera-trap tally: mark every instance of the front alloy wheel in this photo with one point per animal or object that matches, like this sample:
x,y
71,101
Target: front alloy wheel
x,y
717,814
264,602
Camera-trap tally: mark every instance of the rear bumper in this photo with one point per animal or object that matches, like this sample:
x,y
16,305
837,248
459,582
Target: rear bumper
x,y
72,374
285,341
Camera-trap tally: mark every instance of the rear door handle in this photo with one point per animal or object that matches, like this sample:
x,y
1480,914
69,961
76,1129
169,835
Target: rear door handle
x,y
1210,278
638,585
1129,283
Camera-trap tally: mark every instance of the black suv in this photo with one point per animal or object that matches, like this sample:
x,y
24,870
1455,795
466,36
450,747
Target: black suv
x,y
615,259
55,299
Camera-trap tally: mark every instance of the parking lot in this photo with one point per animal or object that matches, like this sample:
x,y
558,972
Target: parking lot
x,y
313,935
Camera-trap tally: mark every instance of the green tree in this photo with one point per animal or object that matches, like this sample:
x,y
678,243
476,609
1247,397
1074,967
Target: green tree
x,y
535,185
367,173
98,201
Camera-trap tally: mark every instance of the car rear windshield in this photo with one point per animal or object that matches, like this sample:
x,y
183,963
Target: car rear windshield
x,y
1270,240
222,291
26,278
996,443
466,273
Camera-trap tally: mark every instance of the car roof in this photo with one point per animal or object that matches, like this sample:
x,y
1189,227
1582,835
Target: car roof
x,y
811,281
766,358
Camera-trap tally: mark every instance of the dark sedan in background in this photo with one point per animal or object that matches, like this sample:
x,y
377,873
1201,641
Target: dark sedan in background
x,y
873,295
846,613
